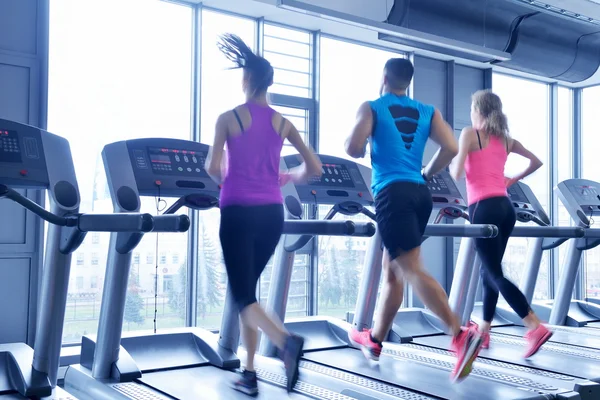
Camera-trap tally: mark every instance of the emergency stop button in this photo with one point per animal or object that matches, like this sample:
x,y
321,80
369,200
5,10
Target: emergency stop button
x,y
23,172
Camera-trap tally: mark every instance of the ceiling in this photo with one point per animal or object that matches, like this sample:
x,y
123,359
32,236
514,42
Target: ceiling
x,y
269,10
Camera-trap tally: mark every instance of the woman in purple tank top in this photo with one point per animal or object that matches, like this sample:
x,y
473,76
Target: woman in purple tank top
x,y
483,150
251,202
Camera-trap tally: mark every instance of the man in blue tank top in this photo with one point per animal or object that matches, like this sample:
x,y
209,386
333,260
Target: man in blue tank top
x,y
398,129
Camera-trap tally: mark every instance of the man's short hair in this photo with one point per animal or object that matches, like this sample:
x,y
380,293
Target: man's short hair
x,y
399,73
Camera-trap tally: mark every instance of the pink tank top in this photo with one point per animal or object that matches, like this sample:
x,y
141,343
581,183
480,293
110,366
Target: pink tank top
x,y
484,171
253,162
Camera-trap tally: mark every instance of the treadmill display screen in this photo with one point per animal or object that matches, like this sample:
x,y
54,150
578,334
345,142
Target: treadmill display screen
x,y
10,150
334,175
585,192
172,161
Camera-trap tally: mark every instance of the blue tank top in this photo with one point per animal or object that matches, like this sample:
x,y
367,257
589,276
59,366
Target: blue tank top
x,y
401,130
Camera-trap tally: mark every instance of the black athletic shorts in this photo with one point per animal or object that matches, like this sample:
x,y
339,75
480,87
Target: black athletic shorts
x,y
402,212
249,236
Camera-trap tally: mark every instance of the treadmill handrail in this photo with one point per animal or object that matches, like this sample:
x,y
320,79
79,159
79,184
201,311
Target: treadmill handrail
x,y
455,230
171,223
593,233
125,222
548,231
310,229
121,222
6,192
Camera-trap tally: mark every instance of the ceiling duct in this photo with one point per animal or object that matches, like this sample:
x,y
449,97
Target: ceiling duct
x,y
539,40
406,36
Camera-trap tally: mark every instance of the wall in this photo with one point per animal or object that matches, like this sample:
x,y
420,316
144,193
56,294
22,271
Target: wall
x,y
22,59
448,87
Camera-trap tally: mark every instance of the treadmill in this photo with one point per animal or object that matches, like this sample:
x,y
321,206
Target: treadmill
x,y
401,368
581,198
555,361
188,363
506,321
39,160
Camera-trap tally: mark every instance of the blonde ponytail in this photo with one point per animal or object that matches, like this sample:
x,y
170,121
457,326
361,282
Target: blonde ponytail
x,y
489,106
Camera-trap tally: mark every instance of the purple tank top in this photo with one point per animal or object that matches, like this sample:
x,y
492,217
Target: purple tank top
x,y
253,162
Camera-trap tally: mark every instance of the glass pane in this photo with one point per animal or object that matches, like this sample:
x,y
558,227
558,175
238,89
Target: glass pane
x,y
565,158
221,91
140,95
526,105
289,51
341,259
298,117
298,297
221,85
339,99
589,154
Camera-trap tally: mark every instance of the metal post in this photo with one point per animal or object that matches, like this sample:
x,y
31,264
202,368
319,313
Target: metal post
x,y
229,335
52,302
532,267
279,288
472,292
566,284
112,310
462,275
369,285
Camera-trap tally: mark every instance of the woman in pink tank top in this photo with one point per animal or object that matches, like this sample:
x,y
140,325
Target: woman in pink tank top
x,y
251,204
483,151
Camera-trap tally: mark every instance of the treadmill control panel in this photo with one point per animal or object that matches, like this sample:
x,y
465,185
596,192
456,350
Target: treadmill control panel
x,y
170,167
341,180
444,191
334,175
581,198
22,161
519,199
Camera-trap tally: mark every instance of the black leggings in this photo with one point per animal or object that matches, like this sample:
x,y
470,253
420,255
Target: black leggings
x,y
249,236
498,211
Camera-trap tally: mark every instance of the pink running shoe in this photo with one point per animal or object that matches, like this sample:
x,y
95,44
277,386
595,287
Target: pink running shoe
x,y
466,346
364,341
484,335
535,339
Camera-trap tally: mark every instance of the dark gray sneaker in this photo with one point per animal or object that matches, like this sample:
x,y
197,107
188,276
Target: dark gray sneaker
x,y
292,352
247,383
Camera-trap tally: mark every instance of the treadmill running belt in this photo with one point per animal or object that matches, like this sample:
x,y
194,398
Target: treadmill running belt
x,y
572,338
208,383
550,358
418,376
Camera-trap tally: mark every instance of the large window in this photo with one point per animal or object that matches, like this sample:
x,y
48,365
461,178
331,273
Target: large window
x,y
341,93
221,91
132,80
526,106
589,170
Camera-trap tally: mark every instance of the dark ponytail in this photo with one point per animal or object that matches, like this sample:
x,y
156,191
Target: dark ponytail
x,y
259,69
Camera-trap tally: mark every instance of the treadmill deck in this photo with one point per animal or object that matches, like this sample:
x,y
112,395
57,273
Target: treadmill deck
x,y
571,360
431,380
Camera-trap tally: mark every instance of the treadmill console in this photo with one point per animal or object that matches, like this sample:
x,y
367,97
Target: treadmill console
x,y
527,206
581,198
156,167
342,180
444,191
22,161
